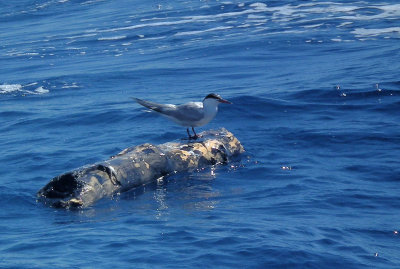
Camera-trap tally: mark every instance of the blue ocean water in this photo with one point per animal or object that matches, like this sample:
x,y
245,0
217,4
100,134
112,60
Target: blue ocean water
x,y
316,93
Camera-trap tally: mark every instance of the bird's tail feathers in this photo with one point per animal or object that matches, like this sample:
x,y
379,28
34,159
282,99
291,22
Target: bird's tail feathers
x,y
150,105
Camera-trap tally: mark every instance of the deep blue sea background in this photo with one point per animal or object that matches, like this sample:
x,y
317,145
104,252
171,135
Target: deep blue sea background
x,y
316,93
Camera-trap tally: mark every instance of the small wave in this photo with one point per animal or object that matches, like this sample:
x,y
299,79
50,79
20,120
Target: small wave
x,y
220,28
9,88
41,90
254,8
20,89
149,38
138,26
21,54
67,86
314,25
386,12
258,6
362,32
111,38
379,92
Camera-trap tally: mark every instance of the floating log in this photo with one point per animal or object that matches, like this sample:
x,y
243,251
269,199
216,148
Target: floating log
x,y
137,166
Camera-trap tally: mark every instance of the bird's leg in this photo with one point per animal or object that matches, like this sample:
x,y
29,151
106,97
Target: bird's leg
x,y
187,130
195,135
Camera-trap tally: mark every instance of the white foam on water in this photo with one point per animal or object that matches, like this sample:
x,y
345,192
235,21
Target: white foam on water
x,y
344,24
330,7
259,6
246,25
254,16
313,25
151,19
138,26
91,2
75,48
339,11
67,86
41,90
255,8
151,38
18,88
31,84
220,28
111,38
81,36
20,54
362,32
388,12
9,88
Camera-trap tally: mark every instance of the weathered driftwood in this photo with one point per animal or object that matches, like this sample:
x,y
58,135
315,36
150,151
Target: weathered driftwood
x,y
137,166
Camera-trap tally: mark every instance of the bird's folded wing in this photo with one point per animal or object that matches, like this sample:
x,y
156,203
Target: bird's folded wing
x,y
189,112
192,111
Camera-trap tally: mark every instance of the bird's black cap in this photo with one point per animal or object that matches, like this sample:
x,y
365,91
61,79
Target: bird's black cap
x,y
213,95
217,97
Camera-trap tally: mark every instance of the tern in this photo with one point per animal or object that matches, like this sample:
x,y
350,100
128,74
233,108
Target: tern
x,y
192,114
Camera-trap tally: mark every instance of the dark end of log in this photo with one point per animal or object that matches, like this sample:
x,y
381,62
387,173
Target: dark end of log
x,y
61,187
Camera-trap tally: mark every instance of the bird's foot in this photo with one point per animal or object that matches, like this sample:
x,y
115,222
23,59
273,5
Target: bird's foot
x,y
193,137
